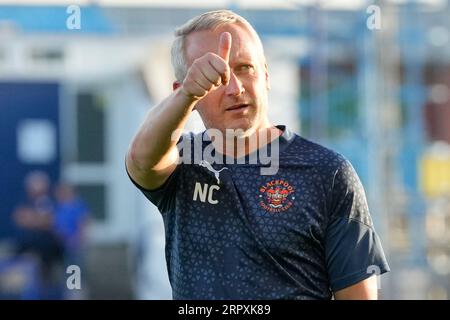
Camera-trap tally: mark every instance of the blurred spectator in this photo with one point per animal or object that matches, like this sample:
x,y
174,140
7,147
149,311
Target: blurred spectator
x,y
71,218
34,219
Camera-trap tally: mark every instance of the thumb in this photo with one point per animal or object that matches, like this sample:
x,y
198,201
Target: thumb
x,y
224,46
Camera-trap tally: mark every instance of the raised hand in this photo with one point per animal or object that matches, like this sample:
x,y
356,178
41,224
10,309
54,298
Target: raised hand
x,y
208,72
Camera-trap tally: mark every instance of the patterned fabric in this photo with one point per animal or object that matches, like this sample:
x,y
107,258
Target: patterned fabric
x,y
299,234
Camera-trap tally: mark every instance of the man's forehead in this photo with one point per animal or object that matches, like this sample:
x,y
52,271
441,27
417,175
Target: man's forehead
x,y
200,42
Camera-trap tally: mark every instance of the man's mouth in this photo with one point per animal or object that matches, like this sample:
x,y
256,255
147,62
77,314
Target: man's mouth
x,y
237,107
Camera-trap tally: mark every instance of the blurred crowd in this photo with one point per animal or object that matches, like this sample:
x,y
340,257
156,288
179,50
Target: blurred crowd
x,y
50,225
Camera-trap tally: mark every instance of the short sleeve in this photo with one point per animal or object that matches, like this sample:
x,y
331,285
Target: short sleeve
x,y
162,197
352,247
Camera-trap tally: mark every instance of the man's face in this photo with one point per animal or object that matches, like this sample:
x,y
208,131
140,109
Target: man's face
x,y
249,81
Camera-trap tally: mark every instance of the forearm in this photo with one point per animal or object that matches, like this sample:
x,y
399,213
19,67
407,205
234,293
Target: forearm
x,y
155,137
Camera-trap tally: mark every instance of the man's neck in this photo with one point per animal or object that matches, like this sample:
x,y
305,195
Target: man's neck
x,y
236,146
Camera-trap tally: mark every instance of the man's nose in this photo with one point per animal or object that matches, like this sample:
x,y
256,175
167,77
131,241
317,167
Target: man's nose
x,y
234,87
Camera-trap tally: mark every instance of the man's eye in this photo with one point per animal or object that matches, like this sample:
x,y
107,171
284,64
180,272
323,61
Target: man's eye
x,y
245,68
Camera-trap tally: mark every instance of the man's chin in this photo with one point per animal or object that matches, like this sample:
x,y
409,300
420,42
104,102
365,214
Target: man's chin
x,y
241,130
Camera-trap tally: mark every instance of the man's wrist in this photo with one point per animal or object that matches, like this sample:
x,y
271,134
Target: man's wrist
x,y
188,98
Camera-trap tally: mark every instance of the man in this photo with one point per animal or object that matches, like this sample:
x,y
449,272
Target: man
x,y
303,232
34,218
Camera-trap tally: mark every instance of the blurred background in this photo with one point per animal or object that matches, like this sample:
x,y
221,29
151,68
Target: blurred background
x,y
370,79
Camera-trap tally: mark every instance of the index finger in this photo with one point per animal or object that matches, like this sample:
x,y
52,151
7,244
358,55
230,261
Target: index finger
x,y
224,46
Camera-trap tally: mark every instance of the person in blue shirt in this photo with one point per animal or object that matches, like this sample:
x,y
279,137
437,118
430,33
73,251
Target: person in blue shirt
x,y
70,226
71,218
70,222
238,226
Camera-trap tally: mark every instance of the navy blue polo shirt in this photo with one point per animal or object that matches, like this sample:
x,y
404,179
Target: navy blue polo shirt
x,y
233,233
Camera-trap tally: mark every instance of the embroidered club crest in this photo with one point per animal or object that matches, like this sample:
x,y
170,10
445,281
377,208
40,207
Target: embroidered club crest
x,y
276,195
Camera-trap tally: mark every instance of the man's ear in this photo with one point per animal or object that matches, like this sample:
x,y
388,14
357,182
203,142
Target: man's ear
x,y
175,85
266,72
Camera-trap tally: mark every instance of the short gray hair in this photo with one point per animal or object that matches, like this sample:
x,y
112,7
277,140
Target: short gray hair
x,y
206,21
